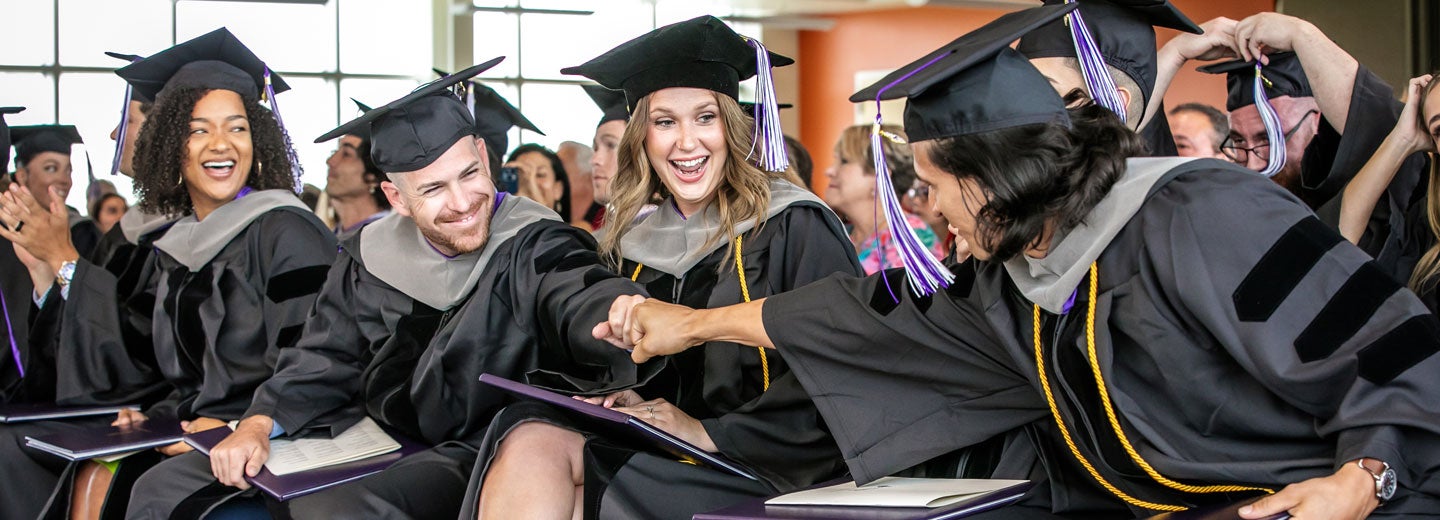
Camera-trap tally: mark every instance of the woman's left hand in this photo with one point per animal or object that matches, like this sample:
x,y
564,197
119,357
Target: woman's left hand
x,y
45,234
667,417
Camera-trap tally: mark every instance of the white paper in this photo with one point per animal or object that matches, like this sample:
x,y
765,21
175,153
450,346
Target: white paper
x,y
895,492
362,441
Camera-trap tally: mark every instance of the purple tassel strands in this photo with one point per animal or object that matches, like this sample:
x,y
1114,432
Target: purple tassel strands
x,y
295,169
926,274
1273,131
768,135
1092,65
120,134
10,331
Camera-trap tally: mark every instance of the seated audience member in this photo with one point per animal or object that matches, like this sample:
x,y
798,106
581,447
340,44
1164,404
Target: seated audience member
x,y
543,178
726,231
603,161
1199,129
495,116
1417,259
851,193
43,168
577,159
1143,319
107,211
917,201
353,183
457,282
1122,35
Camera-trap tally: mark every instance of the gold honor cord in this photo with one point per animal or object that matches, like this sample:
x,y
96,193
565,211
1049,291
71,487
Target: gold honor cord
x,y
1110,414
744,293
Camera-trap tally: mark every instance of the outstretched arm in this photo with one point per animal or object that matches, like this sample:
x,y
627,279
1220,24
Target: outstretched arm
x,y
649,327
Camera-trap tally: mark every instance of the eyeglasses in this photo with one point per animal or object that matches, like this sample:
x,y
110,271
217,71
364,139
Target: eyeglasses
x,y
1241,155
919,192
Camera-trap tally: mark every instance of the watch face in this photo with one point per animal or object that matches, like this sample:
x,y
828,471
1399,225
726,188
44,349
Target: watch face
x,y
1387,484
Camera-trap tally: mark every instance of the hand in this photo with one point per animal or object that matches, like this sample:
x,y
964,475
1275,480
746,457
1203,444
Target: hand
x,y
621,398
179,448
1267,33
46,233
613,330
41,276
1349,494
128,417
201,424
1410,132
243,453
667,417
1218,41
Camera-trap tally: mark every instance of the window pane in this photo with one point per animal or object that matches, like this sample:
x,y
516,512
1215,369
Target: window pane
x,y
576,5
29,33
667,13
551,42
288,37
365,47
495,35
131,27
32,90
373,92
564,112
92,102
309,110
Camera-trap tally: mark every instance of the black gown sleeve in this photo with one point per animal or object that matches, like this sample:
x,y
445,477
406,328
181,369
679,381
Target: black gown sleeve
x,y
568,291
1308,315
1334,157
106,358
322,372
902,382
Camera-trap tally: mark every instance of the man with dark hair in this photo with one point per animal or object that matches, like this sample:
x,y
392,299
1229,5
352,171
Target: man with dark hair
x,y
1199,129
353,183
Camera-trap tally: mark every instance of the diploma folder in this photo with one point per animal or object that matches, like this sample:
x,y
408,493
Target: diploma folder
x,y
618,426
15,413
299,484
757,508
1223,512
109,440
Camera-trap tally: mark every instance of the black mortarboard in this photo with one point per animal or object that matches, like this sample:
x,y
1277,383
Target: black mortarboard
x,y
361,131
611,103
975,83
494,115
215,60
130,94
5,136
702,52
411,132
134,94
1282,77
1123,30
34,139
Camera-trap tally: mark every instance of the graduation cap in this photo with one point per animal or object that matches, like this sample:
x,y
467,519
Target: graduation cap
x,y
411,132
214,60
494,115
749,108
1251,83
611,103
1118,33
701,52
33,140
124,110
973,84
362,131
5,136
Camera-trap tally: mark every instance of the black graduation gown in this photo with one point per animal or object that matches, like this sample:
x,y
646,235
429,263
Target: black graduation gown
x,y
776,433
1241,342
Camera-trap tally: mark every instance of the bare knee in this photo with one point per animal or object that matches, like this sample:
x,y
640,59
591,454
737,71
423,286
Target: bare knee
x,y
536,444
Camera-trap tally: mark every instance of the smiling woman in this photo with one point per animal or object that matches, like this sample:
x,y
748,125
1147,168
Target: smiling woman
x,y
218,133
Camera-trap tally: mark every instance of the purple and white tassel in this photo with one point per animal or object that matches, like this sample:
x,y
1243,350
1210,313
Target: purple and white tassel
x,y
120,133
768,135
1092,65
10,331
926,274
295,169
1273,131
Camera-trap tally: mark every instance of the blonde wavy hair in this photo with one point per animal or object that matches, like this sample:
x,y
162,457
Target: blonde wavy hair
x,y
1427,271
743,193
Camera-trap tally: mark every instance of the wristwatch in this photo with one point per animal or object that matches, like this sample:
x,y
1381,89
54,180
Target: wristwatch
x,y
66,273
1385,480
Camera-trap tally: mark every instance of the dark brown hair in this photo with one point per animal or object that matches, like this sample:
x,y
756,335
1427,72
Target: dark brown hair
x,y
160,152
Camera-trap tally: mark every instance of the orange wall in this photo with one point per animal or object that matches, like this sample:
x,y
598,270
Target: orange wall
x,y
828,61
